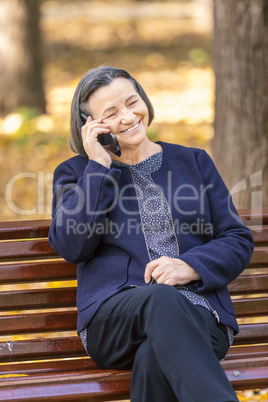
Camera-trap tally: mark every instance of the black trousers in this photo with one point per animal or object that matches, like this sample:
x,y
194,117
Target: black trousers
x,y
172,346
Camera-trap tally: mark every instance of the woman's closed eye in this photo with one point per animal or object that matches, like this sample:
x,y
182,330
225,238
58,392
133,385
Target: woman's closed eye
x,y
114,113
133,102
110,116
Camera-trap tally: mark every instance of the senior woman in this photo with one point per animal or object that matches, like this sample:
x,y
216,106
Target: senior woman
x,y
157,240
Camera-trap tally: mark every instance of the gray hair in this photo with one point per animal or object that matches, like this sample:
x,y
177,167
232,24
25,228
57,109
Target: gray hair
x,y
92,80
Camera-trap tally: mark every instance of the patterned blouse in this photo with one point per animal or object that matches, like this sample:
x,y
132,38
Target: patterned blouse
x,y
157,225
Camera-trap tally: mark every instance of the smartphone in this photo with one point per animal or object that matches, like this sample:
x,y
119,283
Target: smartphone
x,y
108,141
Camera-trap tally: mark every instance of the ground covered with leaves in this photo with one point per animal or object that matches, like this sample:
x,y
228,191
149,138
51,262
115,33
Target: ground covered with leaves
x,y
166,45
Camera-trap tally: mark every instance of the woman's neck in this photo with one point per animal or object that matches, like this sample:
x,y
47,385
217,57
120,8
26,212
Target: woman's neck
x,y
132,156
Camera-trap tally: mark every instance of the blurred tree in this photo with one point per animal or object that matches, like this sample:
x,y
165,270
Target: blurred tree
x,y
20,65
240,146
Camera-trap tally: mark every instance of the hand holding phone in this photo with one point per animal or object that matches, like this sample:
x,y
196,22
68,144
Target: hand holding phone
x,y
108,141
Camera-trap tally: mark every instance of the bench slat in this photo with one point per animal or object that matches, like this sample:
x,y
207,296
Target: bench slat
x,y
71,346
253,307
37,272
16,250
36,323
84,366
35,299
39,228
249,284
248,378
48,348
249,333
245,363
246,352
40,248
50,367
260,235
24,229
252,333
259,258
252,218
66,297
78,387
74,387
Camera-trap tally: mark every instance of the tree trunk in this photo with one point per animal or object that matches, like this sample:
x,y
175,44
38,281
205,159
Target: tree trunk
x,y
20,65
240,145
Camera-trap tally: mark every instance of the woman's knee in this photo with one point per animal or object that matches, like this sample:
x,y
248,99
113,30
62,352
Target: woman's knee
x,y
163,293
166,298
144,358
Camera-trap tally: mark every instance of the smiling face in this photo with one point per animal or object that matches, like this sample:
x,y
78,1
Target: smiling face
x,y
122,108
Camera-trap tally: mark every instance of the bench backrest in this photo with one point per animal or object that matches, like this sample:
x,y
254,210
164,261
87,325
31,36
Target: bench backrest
x,y
38,293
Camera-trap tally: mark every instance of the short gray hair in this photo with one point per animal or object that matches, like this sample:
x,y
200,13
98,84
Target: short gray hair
x,y
96,78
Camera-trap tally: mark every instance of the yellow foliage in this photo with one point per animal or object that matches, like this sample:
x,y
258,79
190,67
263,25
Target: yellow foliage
x,y
13,375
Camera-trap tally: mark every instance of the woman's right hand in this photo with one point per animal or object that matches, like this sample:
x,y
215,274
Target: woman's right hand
x,y
93,148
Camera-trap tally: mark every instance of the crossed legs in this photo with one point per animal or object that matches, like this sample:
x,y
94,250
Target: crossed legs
x,y
172,346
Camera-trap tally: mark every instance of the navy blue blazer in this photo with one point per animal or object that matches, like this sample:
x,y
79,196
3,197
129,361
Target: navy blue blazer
x,y
96,223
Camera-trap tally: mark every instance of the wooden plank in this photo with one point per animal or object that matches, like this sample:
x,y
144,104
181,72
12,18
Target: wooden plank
x,y
55,348
259,258
36,323
249,284
112,386
66,297
247,352
252,218
252,333
88,366
249,378
36,299
252,307
44,271
39,228
75,387
15,250
50,367
260,235
24,229
38,349
66,321
244,363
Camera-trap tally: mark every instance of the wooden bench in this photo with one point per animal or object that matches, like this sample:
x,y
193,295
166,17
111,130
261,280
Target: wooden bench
x,y
42,358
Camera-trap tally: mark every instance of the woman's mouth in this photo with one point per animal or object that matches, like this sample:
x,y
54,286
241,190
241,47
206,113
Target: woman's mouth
x,y
131,128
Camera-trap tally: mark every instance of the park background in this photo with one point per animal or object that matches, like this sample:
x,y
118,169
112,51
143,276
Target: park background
x,y
175,48
166,45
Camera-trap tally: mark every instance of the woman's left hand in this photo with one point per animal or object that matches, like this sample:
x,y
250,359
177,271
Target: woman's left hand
x,y
170,271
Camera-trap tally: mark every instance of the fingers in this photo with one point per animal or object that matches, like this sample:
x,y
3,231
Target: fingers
x,y
150,267
170,271
93,148
88,119
160,273
93,128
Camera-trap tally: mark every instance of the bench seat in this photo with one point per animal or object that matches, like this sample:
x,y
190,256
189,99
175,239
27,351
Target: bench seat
x,y
42,358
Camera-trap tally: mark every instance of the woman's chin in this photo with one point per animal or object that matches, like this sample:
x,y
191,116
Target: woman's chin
x,y
131,139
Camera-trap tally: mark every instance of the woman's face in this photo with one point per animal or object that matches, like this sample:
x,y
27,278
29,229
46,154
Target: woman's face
x,y
122,108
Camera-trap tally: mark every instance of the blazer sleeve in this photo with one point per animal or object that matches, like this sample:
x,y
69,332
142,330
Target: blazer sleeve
x,y
79,208
222,259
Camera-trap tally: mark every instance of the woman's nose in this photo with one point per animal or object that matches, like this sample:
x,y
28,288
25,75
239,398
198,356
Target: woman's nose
x,y
127,116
